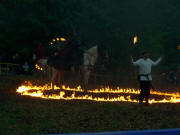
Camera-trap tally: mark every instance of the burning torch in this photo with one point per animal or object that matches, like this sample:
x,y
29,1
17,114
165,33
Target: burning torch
x,y
135,41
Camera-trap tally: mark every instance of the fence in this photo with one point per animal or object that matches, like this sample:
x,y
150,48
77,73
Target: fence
x,y
5,67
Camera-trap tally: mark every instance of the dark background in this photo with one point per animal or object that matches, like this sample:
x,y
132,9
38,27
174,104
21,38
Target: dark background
x,y
25,23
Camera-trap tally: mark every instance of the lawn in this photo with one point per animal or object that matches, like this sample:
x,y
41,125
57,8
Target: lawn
x,y
21,115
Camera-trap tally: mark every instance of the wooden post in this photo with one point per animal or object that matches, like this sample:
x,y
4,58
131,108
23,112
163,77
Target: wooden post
x,y
7,69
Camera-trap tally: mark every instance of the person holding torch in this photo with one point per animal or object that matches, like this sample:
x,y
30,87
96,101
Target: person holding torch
x,y
144,76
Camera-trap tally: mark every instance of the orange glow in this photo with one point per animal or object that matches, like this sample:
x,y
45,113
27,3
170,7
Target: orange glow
x,y
38,67
38,91
63,39
58,40
179,47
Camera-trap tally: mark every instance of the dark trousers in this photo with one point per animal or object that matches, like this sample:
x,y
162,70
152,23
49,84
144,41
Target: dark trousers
x,y
145,87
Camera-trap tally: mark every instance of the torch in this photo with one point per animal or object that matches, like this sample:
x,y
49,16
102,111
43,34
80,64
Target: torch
x,y
135,41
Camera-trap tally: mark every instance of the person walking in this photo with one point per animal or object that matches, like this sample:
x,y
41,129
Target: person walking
x,y
145,78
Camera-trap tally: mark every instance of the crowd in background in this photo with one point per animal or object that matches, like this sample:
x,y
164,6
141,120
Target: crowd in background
x,y
172,76
16,64
21,65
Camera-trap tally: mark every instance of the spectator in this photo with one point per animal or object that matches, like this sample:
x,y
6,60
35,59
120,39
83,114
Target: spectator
x,y
172,77
17,61
26,67
39,53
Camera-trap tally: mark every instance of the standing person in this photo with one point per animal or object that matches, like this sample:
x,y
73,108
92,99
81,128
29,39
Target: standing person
x,y
40,56
18,61
145,64
40,52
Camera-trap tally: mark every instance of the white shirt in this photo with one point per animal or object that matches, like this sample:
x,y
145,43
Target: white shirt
x,y
145,66
90,56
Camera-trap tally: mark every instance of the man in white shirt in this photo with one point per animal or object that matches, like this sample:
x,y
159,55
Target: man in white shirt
x,y
145,64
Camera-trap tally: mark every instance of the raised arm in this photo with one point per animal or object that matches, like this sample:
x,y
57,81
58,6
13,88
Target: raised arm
x,y
156,62
136,63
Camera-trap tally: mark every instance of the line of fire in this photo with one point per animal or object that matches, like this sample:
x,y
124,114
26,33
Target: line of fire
x,y
100,95
107,94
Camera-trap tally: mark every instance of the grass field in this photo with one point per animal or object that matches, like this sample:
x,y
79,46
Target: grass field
x,y
21,115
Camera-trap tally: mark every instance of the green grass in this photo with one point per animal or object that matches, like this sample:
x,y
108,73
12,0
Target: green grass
x,y
21,115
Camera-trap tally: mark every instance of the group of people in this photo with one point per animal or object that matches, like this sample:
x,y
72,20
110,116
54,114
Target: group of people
x,y
69,53
172,76
144,63
66,57
20,65
16,64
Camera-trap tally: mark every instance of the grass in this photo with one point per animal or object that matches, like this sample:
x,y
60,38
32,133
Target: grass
x,y
21,115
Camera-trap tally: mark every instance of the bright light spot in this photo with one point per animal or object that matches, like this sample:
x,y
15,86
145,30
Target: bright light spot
x,y
135,40
63,39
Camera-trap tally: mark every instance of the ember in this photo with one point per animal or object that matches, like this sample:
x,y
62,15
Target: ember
x,y
112,95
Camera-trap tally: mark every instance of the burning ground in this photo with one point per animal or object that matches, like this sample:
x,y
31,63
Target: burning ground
x,y
21,114
100,95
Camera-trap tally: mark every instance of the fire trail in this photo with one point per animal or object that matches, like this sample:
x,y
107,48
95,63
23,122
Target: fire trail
x,y
100,95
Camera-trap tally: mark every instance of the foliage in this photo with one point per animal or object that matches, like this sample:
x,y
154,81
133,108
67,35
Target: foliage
x,y
114,23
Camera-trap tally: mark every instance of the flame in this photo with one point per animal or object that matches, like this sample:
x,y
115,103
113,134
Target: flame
x,y
131,91
63,39
38,91
38,67
135,40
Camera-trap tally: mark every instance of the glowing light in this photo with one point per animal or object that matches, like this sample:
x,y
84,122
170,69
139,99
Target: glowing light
x,y
94,95
63,39
38,67
135,40
55,40
179,47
